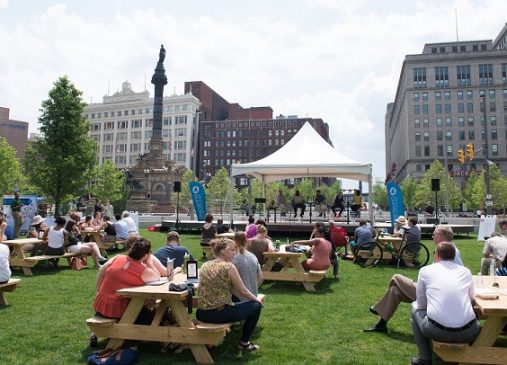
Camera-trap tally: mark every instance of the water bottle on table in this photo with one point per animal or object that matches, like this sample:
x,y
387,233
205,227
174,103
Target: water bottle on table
x,y
170,269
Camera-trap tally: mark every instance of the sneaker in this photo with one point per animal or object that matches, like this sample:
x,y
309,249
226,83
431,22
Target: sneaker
x,y
248,347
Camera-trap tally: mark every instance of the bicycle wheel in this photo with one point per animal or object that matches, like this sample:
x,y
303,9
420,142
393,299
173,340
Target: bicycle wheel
x,y
369,254
415,255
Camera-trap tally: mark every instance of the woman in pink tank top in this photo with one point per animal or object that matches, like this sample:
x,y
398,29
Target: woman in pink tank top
x,y
321,250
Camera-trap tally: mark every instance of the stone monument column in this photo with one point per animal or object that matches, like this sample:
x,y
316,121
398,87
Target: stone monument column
x,y
159,79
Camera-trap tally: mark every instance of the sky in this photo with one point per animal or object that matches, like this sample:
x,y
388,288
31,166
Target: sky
x,y
338,60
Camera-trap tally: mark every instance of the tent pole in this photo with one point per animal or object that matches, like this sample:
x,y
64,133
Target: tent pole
x,y
370,198
231,216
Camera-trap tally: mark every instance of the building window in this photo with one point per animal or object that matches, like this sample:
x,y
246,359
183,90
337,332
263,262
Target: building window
x,y
420,77
121,136
440,150
494,149
447,95
463,75
494,134
459,95
471,135
417,109
426,151
486,74
470,121
108,137
461,107
439,135
442,76
461,121
448,122
417,136
449,150
492,106
135,135
109,126
107,149
123,124
438,108
470,94
417,151
135,147
137,123
425,96
438,122
416,97
448,136
426,123
438,95
426,136
461,135
470,107
504,73
447,108
425,109
492,119
417,123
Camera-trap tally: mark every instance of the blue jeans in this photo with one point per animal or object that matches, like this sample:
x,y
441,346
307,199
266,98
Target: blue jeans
x,y
248,311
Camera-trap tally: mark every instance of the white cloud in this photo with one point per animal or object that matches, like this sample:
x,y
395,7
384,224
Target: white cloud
x,y
4,4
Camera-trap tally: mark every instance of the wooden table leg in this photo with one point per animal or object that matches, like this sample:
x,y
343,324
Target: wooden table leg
x,y
492,327
200,352
18,250
98,241
129,317
299,268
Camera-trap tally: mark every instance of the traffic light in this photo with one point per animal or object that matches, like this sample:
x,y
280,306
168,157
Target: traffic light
x,y
470,151
461,156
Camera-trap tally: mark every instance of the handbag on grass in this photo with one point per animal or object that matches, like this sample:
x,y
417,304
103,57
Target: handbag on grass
x,y
117,356
78,262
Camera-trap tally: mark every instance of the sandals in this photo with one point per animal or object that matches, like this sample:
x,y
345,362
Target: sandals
x,y
248,347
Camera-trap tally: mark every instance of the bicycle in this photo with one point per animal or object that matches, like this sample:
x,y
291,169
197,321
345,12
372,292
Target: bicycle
x,y
413,255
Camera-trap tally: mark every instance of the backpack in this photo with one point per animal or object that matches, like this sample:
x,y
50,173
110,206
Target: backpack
x,y
117,356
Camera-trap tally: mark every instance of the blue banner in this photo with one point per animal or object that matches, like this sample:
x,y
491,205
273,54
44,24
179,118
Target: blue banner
x,y
198,198
395,201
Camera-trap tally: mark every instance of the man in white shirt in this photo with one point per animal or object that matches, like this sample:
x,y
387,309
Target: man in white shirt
x,y
495,249
403,289
443,309
131,225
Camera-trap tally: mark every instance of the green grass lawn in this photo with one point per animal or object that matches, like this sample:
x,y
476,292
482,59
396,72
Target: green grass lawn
x,y
45,322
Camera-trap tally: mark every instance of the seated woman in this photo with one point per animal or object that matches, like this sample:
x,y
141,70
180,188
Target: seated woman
x,y
123,271
260,244
82,248
98,222
86,224
209,231
248,266
3,227
57,238
321,250
109,230
5,271
38,229
219,279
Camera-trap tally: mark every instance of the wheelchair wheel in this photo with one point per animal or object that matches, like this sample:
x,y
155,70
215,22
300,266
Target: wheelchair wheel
x,y
415,255
368,254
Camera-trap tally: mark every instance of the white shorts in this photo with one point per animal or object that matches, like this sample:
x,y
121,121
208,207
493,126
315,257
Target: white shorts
x,y
75,248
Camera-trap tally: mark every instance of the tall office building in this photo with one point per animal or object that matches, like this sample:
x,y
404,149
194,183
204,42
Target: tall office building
x,y
438,108
122,126
14,131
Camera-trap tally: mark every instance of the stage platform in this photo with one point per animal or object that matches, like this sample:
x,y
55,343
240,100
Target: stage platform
x,y
298,228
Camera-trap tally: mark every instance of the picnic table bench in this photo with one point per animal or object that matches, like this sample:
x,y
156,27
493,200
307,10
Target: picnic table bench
x,y
19,259
482,350
290,260
197,335
7,287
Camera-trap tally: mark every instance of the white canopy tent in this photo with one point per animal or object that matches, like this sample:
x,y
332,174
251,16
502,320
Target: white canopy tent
x,y
307,154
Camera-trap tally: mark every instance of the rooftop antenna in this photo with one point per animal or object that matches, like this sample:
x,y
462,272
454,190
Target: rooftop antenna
x,y
456,17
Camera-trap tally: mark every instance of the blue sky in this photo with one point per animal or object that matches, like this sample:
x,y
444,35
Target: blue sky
x,y
335,59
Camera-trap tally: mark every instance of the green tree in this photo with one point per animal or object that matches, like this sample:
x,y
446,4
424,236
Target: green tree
x,y
10,173
306,189
107,182
217,193
408,188
472,193
425,196
380,193
60,162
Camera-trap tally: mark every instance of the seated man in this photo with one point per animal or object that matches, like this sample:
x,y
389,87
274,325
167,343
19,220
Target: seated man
x,y
363,234
221,227
298,202
495,250
172,250
131,224
443,310
320,203
120,227
403,289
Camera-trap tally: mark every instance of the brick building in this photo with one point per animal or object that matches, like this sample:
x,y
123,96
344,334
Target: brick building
x,y
14,131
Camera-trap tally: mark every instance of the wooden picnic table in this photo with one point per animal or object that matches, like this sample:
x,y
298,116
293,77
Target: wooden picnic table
x,y
395,241
482,350
195,335
97,238
290,260
18,255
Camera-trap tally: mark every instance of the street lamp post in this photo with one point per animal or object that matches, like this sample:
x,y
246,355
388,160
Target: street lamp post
x,y
489,198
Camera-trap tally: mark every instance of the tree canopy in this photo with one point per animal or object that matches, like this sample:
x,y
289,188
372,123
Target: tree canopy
x,y
59,164
10,173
